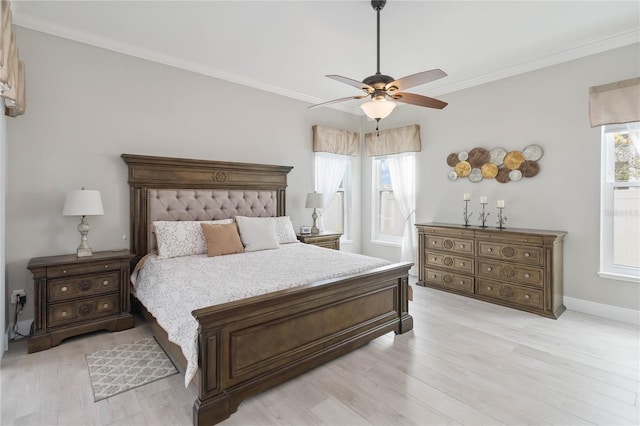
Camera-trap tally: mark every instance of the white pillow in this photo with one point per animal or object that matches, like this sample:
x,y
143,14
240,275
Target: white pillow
x,y
284,230
182,238
257,233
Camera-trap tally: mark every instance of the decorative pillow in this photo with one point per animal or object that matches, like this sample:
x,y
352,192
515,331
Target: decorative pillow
x,y
222,239
182,238
284,230
257,233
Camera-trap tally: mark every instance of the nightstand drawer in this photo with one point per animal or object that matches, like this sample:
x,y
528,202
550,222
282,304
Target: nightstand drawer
x,y
82,310
64,289
82,268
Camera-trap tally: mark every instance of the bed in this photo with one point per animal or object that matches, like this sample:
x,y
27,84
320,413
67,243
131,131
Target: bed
x,y
248,345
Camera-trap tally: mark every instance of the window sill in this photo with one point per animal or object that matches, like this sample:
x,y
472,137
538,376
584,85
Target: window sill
x,y
386,243
619,277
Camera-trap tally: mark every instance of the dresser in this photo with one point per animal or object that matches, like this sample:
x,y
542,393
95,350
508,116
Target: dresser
x,y
518,268
326,239
78,295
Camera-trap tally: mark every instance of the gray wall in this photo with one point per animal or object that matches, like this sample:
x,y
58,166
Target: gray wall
x,y
88,105
548,107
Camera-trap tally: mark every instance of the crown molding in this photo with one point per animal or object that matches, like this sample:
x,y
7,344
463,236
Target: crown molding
x,y
595,46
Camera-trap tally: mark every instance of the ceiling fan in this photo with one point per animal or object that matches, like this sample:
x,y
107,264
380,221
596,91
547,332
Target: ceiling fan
x,y
382,87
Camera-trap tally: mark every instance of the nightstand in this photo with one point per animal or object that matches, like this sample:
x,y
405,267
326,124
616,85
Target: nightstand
x,y
326,239
79,295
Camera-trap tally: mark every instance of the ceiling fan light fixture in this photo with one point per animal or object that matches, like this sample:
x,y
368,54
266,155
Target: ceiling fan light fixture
x,y
378,109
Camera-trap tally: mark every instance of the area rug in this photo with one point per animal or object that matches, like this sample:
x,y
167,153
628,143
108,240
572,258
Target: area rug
x,y
127,366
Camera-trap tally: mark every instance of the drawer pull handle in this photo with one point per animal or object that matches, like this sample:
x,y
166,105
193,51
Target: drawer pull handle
x,y
434,243
435,258
489,269
63,289
489,249
527,275
64,271
433,276
461,282
63,313
527,255
461,263
106,266
526,296
461,245
489,288
105,282
106,305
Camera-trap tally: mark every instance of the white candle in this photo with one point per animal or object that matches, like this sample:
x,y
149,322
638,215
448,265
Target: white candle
x,y
483,199
500,203
466,196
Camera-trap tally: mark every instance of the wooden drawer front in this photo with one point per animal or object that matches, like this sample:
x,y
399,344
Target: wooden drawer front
x,y
449,280
516,253
81,269
62,289
511,272
82,310
438,260
511,293
453,233
331,244
457,245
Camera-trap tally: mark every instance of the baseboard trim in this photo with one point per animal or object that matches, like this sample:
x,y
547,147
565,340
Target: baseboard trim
x,y
616,313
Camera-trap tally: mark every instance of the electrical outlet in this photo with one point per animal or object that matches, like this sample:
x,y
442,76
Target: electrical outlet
x,y
15,296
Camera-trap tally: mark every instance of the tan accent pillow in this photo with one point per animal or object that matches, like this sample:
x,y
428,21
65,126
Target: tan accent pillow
x,y
222,239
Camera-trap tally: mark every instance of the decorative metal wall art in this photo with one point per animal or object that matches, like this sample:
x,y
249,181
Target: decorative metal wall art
x,y
497,163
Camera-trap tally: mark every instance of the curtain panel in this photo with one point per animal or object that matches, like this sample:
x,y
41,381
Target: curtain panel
x,y
393,141
615,103
12,74
335,141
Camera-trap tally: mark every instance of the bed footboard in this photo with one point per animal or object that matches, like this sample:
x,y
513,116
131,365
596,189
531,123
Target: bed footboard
x,y
248,347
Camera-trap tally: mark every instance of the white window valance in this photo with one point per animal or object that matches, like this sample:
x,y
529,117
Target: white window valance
x,y
335,141
393,141
615,103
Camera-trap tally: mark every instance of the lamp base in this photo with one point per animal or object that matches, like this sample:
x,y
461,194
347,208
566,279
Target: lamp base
x,y
314,228
84,252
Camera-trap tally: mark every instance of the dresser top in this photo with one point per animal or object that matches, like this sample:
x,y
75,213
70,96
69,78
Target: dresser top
x,y
495,230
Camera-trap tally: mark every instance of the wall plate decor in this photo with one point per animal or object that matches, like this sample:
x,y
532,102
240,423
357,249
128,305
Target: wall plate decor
x,y
497,163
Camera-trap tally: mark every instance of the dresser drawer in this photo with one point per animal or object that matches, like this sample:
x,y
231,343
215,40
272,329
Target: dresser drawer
x,y
526,254
511,272
511,293
457,245
82,310
64,289
449,280
81,268
440,260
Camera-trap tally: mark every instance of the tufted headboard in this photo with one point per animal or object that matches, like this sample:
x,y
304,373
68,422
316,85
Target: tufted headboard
x,y
163,188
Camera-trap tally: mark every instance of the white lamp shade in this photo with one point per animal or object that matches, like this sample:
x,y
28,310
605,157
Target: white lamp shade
x,y
83,202
379,109
314,200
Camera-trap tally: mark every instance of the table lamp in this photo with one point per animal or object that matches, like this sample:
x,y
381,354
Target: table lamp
x,y
83,202
314,201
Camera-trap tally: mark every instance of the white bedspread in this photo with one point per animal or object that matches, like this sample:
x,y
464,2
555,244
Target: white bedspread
x,y
171,288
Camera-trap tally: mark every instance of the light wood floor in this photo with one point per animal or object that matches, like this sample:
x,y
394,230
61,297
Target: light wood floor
x,y
466,362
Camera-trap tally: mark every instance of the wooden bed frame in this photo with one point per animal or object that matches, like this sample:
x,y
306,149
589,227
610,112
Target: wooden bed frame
x,y
248,346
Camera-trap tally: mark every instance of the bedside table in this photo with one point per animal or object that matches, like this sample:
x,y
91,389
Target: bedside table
x,y
79,295
326,239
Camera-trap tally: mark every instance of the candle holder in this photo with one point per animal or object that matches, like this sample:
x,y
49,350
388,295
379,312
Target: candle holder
x,y
466,215
484,215
501,218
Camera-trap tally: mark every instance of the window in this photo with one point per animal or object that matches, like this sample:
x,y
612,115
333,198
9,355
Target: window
x,y
388,222
336,212
620,202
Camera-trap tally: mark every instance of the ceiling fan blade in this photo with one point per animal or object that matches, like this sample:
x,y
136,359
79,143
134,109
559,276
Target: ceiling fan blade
x,y
413,99
351,82
335,101
416,79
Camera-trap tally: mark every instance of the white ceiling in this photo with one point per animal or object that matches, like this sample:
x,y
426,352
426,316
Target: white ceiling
x,y
287,47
